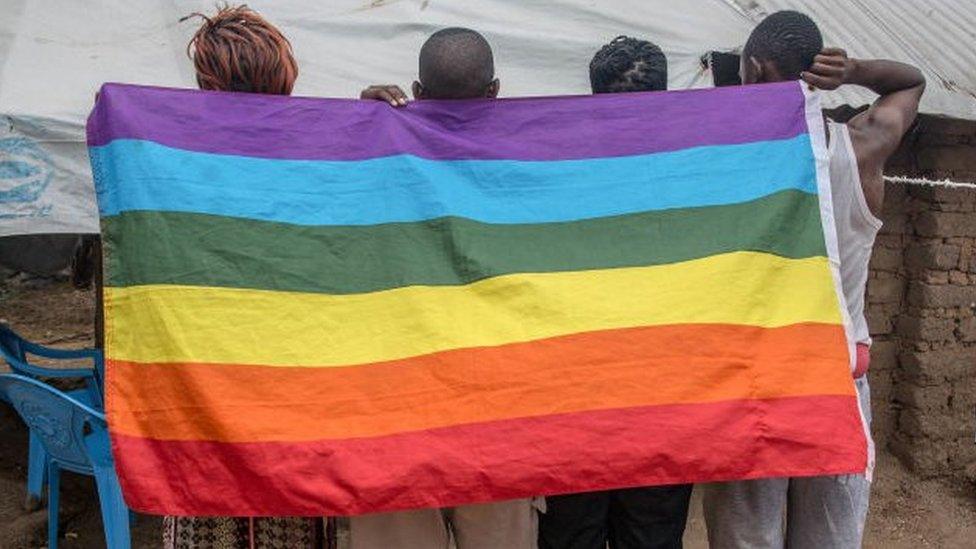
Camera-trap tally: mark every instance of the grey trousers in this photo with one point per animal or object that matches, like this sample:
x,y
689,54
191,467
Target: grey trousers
x,y
506,524
796,513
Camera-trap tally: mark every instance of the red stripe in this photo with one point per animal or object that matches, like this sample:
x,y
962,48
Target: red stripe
x,y
500,460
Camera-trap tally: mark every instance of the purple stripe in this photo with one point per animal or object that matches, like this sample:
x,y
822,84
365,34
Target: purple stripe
x,y
546,128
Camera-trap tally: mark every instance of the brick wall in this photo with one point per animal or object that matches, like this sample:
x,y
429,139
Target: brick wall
x,y
921,302
938,148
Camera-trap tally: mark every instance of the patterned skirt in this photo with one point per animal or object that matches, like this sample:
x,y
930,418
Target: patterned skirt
x,y
242,533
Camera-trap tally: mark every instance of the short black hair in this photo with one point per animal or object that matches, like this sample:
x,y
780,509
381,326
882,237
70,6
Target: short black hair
x,y
789,39
628,65
456,63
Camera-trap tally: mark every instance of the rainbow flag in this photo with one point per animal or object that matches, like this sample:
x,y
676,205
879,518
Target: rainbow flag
x,y
326,306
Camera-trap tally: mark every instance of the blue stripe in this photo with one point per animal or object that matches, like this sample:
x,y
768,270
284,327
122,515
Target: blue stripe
x,y
142,175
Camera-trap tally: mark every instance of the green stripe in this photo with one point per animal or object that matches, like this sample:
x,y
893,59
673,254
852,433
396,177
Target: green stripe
x,y
207,250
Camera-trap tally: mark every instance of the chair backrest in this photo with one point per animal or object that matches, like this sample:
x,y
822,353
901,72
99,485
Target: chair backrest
x,y
59,421
16,352
10,346
10,350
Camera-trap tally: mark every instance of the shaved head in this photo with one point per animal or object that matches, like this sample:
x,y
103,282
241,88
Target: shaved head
x,y
456,63
785,44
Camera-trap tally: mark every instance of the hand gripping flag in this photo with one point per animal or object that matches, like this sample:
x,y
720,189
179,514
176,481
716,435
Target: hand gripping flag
x,y
321,306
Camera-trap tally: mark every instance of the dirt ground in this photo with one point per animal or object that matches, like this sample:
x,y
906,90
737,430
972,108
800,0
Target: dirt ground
x,y
906,512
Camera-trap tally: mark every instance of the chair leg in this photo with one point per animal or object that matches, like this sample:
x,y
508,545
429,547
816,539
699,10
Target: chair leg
x,y
36,473
115,514
53,504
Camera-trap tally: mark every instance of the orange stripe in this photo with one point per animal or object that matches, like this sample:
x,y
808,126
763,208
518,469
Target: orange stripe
x,y
597,370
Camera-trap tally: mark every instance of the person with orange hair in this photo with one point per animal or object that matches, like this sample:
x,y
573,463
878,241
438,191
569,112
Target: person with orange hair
x,y
237,50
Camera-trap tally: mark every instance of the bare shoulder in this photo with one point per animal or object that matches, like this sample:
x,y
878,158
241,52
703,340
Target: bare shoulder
x,y
871,156
876,132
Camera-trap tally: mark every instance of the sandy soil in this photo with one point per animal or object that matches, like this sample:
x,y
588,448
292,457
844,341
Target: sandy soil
x,y
906,512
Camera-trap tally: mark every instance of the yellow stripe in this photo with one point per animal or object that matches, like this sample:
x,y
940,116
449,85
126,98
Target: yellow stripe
x,y
239,326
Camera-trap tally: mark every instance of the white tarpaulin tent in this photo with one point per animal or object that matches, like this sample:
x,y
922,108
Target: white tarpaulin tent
x,y
54,54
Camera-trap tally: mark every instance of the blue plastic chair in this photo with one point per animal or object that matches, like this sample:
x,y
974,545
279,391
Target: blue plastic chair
x,y
16,351
75,438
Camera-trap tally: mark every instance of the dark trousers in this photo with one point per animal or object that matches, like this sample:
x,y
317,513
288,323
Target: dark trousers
x,y
636,518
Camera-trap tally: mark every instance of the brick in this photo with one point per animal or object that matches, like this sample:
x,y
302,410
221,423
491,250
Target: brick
x,y
919,454
945,158
957,208
926,328
879,322
945,224
931,423
951,128
921,193
884,355
959,278
954,195
896,223
927,311
919,257
962,398
883,410
886,259
889,289
966,254
966,331
961,448
921,346
922,400
882,380
938,139
963,176
928,295
935,367
970,472
935,277
889,241
915,205
895,196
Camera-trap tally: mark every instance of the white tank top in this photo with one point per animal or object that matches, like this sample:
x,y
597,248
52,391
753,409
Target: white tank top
x,y
857,227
